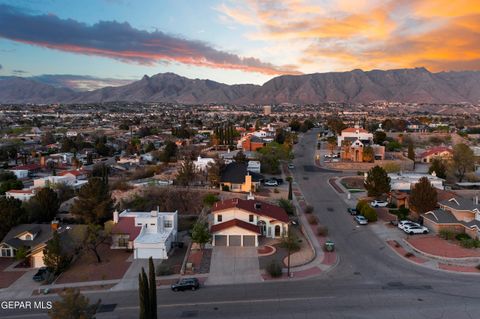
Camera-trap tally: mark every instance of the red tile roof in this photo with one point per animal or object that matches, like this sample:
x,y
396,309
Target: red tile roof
x,y
126,226
438,149
353,130
21,191
235,223
74,172
262,208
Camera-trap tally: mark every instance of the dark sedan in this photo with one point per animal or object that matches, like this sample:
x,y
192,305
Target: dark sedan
x,y
41,274
186,284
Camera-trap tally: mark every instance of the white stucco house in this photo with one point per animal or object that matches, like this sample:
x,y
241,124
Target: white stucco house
x,y
405,181
21,194
201,164
354,134
239,222
148,234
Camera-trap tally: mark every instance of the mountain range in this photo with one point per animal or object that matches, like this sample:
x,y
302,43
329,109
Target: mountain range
x,y
416,85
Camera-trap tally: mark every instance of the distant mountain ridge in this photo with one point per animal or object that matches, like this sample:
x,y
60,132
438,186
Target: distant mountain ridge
x,y
416,85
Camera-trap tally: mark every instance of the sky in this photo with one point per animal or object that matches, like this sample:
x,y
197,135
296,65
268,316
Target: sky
x,y
111,42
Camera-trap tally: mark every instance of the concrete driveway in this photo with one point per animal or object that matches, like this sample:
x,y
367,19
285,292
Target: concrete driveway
x,y
233,265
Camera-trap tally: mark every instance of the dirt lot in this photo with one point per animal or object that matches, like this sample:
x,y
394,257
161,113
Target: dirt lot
x,y
8,277
113,266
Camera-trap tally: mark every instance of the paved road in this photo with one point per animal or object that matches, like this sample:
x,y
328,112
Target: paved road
x,y
370,282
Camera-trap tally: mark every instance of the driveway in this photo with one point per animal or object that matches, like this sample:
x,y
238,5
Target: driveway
x,y
233,265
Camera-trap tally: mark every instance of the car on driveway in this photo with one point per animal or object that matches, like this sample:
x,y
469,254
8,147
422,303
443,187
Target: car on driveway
x,y
406,223
271,182
361,220
352,211
291,166
41,274
186,284
379,203
411,230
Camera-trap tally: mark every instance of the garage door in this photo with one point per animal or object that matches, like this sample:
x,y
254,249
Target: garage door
x,y
220,240
249,241
235,240
145,253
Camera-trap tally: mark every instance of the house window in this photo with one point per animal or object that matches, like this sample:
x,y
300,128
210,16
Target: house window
x,y
250,218
219,218
28,237
167,223
152,224
6,252
123,242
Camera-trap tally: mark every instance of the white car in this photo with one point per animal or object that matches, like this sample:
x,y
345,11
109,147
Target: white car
x,y
291,166
271,182
379,203
406,223
411,230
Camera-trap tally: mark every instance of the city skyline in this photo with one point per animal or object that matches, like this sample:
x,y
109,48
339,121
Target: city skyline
x,y
114,41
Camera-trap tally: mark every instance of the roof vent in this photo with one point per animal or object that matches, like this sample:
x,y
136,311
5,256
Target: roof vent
x,y
258,205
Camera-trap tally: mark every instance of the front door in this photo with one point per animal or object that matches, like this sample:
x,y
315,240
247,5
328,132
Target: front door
x,y
263,227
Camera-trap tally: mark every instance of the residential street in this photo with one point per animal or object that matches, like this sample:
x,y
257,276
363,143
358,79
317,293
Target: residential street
x,y
370,281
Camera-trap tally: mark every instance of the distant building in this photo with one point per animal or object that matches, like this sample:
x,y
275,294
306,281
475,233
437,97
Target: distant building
x,y
441,152
353,141
237,178
405,181
21,194
267,109
201,164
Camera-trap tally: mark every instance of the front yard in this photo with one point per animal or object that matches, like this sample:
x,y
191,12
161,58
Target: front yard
x,y
8,277
115,263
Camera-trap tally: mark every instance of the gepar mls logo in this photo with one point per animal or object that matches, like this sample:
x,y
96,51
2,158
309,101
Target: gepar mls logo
x,y
18,304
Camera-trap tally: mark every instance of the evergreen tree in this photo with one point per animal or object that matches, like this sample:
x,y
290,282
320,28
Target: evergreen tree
x,y
94,203
142,298
411,152
377,182
423,196
200,234
463,160
53,255
43,207
290,191
152,289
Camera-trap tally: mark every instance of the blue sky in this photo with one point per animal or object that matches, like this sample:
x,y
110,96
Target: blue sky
x,y
235,41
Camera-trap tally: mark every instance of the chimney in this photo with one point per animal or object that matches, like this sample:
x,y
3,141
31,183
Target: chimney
x,y
54,225
476,200
115,217
258,205
154,213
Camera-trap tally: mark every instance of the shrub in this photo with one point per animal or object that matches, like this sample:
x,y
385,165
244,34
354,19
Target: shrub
x,y
462,236
210,199
276,191
274,269
361,204
322,230
312,219
369,213
447,234
308,209
164,270
225,188
287,205
470,243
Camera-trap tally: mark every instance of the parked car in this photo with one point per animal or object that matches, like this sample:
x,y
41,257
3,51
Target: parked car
x,y
361,220
41,274
352,211
406,223
411,230
379,203
279,180
186,284
291,166
271,182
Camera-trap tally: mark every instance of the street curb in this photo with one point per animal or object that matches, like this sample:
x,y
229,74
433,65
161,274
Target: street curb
x,y
444,259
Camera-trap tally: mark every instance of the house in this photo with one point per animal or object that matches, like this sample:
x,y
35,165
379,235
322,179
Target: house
x,y
252,143
353,141
50,181
404,181
201,164
237,178
34,238
353,134
76,174
254,166
399,198
21,194
30,168
442,152
148,234
238,222
461,215
20,173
